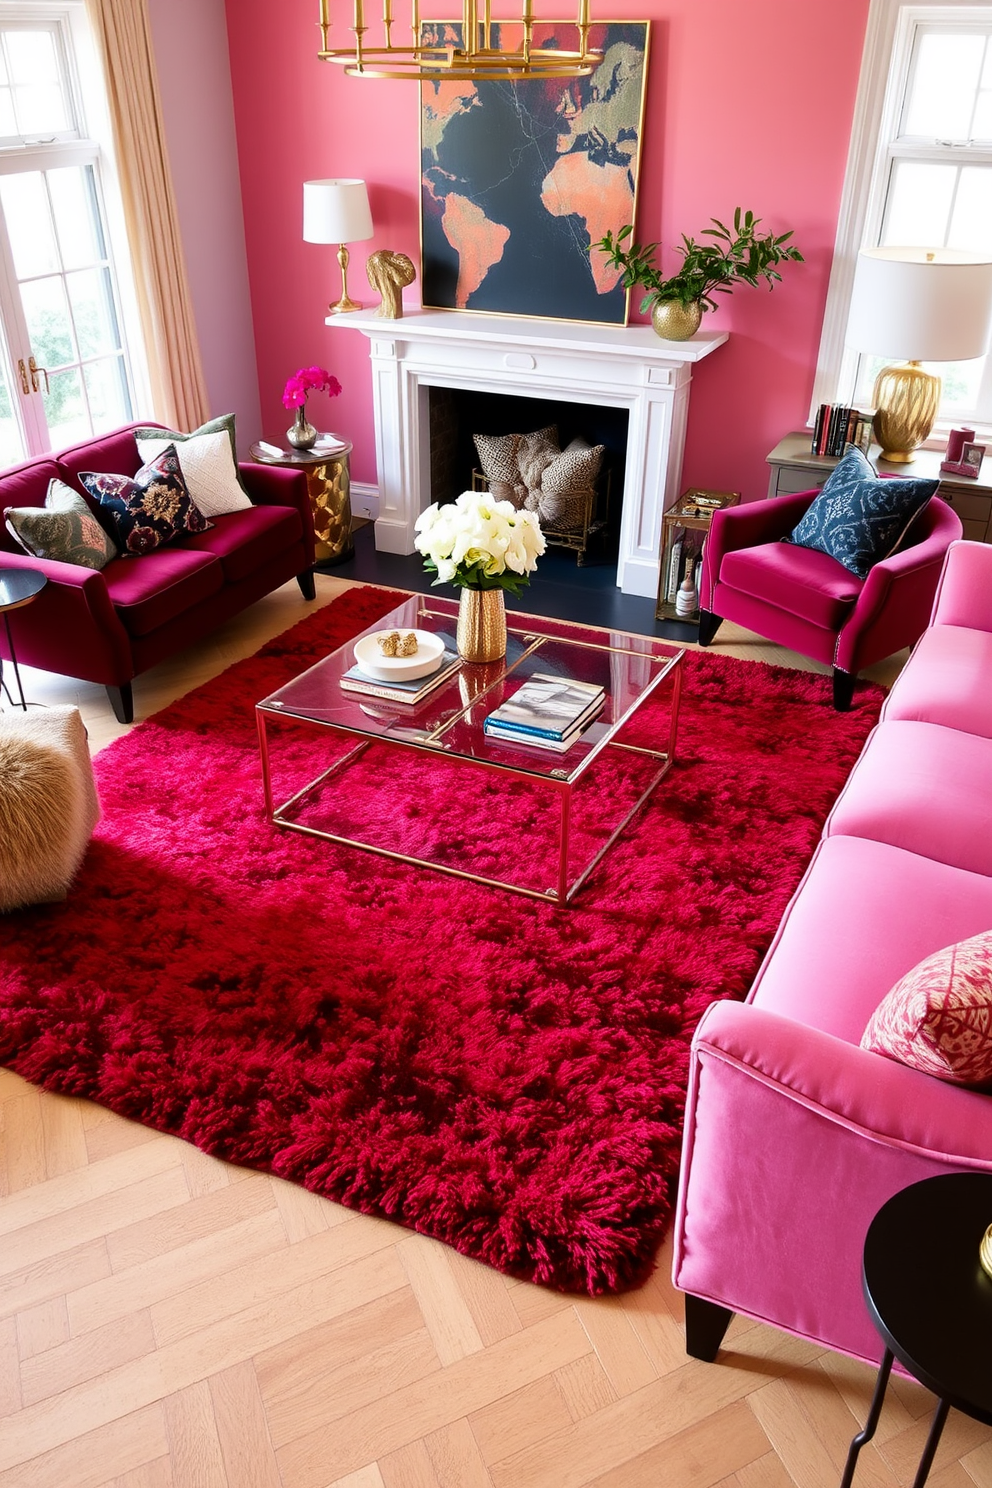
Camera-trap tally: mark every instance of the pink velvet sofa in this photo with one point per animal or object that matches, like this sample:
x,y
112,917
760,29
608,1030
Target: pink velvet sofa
x,y
109,626
794,1135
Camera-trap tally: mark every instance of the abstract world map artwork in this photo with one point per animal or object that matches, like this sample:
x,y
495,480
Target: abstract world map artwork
x,y
519,178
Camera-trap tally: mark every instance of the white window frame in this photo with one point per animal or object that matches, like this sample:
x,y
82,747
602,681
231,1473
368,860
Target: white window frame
x,y
90,143
885,65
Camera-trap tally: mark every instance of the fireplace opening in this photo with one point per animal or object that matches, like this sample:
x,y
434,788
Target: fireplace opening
x,y
456,414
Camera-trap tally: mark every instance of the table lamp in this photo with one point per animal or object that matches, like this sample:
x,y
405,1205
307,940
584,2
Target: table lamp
x,y
926,305
337,212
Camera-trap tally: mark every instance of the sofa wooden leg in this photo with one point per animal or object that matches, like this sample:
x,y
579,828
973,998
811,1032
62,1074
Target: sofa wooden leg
x,y
308,587
705,1325
843,689
709,624
122,702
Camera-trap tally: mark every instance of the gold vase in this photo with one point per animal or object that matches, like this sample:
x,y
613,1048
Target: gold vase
x,y
481,634
673,321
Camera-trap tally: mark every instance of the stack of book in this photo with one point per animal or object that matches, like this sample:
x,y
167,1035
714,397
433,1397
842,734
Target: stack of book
x,y
547,712
836,427
355,680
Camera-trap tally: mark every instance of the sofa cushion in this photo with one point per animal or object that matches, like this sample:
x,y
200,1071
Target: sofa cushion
x,y
150,508
116,453
25,486
858,518
208,459
156,588
64,530
938,1017
924,788
947,680
863,916
244,540
807,584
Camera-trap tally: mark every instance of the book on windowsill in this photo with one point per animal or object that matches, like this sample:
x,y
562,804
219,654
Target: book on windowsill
x,y
355,680
547,707
538,741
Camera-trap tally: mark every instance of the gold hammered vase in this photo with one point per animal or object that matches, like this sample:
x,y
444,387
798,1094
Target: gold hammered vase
x,y
481,634
674,321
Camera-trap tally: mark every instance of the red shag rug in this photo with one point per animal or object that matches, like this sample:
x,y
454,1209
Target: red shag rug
x,y
501,1074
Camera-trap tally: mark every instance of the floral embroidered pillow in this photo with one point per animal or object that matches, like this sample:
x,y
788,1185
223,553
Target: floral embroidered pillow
x,y
938,1018
64,529
149,509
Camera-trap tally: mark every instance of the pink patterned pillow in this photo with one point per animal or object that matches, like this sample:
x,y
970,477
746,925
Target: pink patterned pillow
x,y
938,1018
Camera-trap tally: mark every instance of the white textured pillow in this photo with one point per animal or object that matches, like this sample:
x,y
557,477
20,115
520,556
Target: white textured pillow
x,y
208,469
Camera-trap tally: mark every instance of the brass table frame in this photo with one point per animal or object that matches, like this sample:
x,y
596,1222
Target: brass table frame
x,y
559,782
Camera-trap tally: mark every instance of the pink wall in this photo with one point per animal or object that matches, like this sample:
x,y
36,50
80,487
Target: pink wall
x,y
748,105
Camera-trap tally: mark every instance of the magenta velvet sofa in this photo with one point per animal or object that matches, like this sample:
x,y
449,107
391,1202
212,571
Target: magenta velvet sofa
x,y
109,626
807,600
794,1135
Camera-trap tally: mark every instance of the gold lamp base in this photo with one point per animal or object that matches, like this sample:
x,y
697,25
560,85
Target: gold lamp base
x,y
345,302
906,400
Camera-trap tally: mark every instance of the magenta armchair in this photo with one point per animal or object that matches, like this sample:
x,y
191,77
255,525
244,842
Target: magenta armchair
x,y
808,601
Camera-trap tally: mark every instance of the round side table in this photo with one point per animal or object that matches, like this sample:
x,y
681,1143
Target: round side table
x,y
329,486
931,1301
18,587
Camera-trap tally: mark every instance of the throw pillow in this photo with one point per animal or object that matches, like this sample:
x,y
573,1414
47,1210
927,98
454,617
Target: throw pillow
x,y
498,454
938,1017
223,424
150,508
858,518
64,529
210,472
568,482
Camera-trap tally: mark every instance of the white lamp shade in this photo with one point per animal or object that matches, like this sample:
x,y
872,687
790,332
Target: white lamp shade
x,y
336,212
921,304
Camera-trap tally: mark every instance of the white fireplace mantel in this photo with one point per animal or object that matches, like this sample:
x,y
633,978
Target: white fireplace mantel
x,y
608,366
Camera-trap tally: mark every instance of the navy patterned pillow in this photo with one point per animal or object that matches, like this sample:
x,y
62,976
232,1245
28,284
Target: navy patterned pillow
x,y
858,518
150,508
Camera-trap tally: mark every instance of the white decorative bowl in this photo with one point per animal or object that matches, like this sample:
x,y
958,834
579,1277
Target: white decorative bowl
x,y
426,658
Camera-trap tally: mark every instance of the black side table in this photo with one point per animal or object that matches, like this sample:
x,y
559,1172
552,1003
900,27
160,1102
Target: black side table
x,y
931,1301
18,586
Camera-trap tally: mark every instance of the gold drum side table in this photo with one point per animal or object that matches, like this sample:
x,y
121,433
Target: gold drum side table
x,y
329,487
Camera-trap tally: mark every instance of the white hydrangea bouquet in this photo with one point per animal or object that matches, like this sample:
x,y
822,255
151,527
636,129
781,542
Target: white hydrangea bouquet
x,y
478,543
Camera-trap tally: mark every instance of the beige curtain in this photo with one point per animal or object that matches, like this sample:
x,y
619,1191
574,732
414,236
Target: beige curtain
x,y
179,394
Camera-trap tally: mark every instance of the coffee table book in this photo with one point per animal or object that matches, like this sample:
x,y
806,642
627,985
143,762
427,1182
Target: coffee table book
x,y
547,706
531,739
355,680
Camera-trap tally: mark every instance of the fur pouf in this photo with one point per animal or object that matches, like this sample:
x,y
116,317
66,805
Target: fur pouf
x,y
48,804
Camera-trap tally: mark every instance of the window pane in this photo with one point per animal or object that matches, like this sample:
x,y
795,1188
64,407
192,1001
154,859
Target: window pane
x,y
11,445
65,408
29,224
944,83
961,383
919,205
46,311
39,99
77,221
106,389
971,221
8,126
91,299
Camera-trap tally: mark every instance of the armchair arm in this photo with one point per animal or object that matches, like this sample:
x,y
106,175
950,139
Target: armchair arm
x,y
746,526
894,606
72,627
275,485
964,594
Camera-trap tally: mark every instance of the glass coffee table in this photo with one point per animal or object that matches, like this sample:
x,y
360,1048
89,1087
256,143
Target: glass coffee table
x,y
424,784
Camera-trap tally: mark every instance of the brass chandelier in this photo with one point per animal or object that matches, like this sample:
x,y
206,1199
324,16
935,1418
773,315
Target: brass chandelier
x,y
476,54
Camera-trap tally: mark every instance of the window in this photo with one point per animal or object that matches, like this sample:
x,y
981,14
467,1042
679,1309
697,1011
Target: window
x,y
919,174
66,365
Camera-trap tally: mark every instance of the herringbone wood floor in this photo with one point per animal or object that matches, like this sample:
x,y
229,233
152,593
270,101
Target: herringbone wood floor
x,y
171,1322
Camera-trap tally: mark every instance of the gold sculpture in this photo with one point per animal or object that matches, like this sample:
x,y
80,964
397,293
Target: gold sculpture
x,y
392,643
389,273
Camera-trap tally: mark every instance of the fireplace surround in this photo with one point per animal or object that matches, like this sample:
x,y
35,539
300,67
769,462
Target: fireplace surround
x,y
606,366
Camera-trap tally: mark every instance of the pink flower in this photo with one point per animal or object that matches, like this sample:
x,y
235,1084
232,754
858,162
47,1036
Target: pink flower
x,y
308,380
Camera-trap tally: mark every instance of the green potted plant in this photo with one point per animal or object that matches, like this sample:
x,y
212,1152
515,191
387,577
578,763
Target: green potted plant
x,y
737,255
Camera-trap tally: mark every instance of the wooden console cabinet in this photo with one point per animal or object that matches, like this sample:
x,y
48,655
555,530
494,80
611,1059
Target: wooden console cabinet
x,y
795,468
